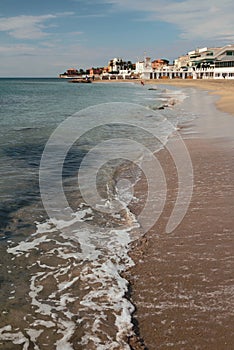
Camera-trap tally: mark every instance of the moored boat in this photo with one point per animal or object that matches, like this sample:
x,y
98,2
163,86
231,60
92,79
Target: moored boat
x,y
83,81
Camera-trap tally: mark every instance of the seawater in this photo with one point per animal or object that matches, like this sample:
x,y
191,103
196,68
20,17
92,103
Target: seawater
x,y
61,283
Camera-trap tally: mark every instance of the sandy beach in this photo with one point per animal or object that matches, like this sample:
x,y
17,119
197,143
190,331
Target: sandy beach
x,y
61,283
182,284
223,88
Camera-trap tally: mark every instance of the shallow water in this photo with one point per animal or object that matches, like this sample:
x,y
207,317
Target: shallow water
x,y
61,261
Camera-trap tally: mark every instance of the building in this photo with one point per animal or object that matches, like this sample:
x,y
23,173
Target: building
x,y
162,70
217,63
144,68
95,71
202,63
118,64
182,62
70,73
159,63
208,63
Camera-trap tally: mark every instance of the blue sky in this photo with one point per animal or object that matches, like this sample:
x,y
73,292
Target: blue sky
x,y
44,38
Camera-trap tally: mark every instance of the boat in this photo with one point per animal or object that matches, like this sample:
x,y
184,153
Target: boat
x,y
82,81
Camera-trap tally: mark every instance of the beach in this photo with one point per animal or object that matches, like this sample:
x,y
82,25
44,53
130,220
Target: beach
x,y
62,262
223,88
182,282
85,282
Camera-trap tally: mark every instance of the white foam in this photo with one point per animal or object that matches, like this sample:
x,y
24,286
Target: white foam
x,y
47,324
64,285
25,246
16,338
34,334
67,331
106,253
89,257
42,308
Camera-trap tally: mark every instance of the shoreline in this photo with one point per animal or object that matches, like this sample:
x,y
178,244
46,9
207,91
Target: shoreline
x,y
181,284
149,266
223,88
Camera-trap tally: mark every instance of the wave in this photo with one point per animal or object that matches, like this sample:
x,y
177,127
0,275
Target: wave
x,y
74,294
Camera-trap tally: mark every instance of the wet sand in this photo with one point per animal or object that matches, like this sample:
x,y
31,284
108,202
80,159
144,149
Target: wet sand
x,y
223,88
183,284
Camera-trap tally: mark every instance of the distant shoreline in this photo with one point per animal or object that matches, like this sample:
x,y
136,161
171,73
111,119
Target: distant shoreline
x,y
223,88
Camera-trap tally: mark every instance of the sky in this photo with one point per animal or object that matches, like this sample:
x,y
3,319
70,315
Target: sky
x,y
42,38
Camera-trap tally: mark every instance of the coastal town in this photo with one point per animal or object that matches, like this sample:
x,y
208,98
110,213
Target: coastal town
x,y
201,63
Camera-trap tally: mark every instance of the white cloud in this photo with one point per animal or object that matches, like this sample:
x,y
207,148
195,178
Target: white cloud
x,y
31,60
25,27
198,19
16,50
28,27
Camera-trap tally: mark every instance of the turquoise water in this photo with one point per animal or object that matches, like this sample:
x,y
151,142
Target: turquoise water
x,y
61,284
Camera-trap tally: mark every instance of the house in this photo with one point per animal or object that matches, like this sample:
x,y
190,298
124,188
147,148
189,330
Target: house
x,y
70,73
95,71
217,63
208,63
118,64
224,63
144,68
105,70
182,62
159,63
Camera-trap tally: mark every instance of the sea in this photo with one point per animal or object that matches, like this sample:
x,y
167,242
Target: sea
x,y
71,156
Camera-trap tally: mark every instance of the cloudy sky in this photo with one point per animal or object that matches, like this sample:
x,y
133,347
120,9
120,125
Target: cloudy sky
x,y
44,38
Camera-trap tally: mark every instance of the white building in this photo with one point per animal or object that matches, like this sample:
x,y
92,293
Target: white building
x,y
144,68
216,63
145,71
208,63
202,63
118,64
